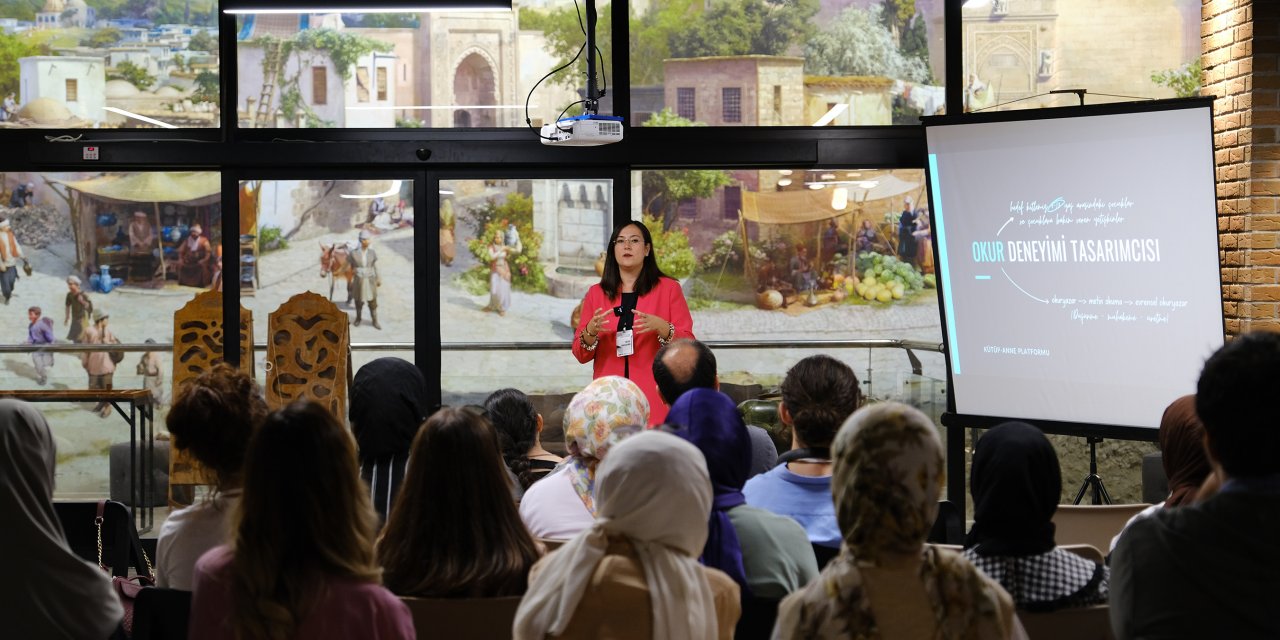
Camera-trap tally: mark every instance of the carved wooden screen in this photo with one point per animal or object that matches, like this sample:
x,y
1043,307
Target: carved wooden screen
x,y
198,344
308,348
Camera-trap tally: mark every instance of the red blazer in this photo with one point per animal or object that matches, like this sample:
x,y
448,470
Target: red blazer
x,y
665,301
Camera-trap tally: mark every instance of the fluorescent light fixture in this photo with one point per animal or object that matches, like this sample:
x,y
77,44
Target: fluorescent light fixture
x,y
445,192
785,182
827,176
831,115
784,172
975,4
451,106
839,198
395,188
241,7
816,185
130,114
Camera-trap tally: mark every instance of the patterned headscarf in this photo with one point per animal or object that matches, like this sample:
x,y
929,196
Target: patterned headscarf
x,y
1182,451
886,480
606,411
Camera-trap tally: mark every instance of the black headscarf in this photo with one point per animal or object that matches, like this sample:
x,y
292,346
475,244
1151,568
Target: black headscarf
x,y
388,404
1016,484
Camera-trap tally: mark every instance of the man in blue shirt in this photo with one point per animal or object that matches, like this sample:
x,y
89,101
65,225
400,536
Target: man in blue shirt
x,y
818,394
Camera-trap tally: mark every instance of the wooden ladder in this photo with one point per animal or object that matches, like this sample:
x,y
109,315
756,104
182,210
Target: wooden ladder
x,y
265,113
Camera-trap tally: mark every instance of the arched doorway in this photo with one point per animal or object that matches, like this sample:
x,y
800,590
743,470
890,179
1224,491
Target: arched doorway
x,y
473,85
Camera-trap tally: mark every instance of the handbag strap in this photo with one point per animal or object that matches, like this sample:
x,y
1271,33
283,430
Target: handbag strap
x,y
97,522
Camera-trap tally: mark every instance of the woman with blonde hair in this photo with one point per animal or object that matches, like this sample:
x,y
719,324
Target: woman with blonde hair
x,y
454,531
886,583
300,563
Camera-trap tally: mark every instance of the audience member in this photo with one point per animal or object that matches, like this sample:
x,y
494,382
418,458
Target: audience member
x,y
212,419
1208,570
454,532
1016,484
607,410
633,575
388,404
1186,466
519,429
52,593
818,393
686,364
886,582
301,561
768,555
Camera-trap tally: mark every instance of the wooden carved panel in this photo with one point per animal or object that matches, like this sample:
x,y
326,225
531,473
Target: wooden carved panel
x,y
307,354
198,345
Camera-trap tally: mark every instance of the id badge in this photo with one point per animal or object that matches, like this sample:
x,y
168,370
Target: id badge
x,y
626,343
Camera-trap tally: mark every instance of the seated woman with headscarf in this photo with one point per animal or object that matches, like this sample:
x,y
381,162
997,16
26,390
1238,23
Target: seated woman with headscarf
x,y
53,593
768,555
634,574
562,504
388,404
886,583
1182,454
1016,484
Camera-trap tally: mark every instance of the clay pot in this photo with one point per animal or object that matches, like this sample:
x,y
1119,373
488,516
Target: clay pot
x,y
575,317
837,295
599,266
768,299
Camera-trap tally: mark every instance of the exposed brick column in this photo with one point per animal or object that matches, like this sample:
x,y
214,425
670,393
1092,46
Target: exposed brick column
x,y
1241,47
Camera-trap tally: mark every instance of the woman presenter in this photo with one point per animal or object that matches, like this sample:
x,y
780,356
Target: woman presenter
x,y
633,312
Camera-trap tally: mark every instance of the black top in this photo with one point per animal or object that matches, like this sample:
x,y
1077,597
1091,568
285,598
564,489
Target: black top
x,y
624,311
538,469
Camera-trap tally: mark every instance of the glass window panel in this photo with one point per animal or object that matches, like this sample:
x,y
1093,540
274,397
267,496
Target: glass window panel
x,y
129,237
304,235
1015,51
436,69
517,257
731,105
69,64
876,62
796,281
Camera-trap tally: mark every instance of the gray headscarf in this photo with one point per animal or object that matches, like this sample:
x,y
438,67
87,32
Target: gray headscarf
x,y
59,595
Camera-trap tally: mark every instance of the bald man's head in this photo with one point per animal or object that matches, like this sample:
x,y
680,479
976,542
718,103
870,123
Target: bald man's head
x,y
682,365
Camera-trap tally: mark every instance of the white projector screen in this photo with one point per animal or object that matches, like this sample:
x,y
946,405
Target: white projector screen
x,y
1077,261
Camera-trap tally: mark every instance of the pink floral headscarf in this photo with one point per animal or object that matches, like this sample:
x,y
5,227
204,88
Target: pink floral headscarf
x,y
606,411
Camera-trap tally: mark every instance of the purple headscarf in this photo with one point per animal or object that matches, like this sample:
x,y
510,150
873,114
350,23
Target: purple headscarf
x,y
710,420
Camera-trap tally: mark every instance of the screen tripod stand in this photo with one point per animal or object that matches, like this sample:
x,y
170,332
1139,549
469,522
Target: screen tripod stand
x,y
1093,480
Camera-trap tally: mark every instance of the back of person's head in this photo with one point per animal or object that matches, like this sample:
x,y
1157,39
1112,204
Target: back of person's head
x,y
213,417
819,393
710,420
388,404
655,488
682,365
609,404
516,422
1233,399
454,531
304,516
887,474
1016,484
1182,453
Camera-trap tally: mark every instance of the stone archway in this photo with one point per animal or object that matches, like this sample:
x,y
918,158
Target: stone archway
x,y
474,85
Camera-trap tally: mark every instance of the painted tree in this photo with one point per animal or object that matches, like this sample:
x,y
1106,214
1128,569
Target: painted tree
x,y
744,27
663,189
856,43
12,48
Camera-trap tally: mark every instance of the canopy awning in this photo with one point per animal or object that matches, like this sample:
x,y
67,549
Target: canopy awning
x,y
813,205
191,187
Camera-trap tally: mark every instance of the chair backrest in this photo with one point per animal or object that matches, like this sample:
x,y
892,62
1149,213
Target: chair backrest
x,y
1093,525
120,546
1086,551
948,527
1087,623
489,618
824,554
758,617
161,614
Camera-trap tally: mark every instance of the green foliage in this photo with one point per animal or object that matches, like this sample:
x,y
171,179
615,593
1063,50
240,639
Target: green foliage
x,y
202,12
103,38
857,44
343,48
492,218
726,253
671,248
565,35
409,123
12,48
650,38
271,239
744,27
1185,80
20,9
389,21
206,87
135,75
203,41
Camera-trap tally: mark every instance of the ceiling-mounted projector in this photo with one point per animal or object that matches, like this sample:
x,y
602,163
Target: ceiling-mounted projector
x,y
583,131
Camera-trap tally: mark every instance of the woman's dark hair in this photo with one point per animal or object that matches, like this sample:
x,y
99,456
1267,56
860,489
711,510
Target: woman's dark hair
x,y
454,531
820,392
516,423
213,417
611,283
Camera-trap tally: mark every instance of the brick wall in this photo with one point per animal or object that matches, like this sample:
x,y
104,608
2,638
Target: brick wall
x,y
1241,46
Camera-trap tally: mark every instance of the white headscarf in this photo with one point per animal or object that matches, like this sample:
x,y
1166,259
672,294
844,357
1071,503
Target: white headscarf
x,y
655,490
59,595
